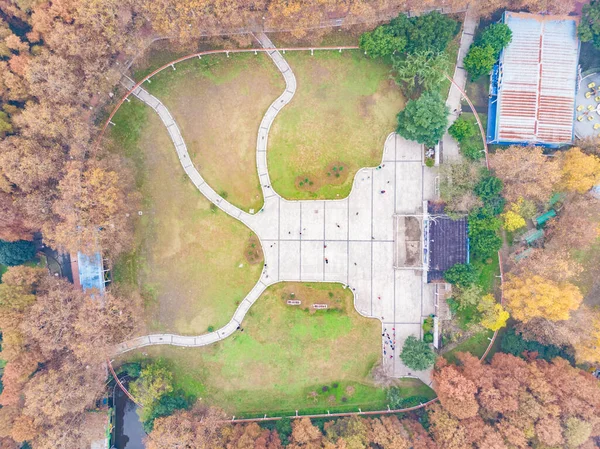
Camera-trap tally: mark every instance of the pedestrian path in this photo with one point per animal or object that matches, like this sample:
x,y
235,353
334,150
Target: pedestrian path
x,y
350,241
450,151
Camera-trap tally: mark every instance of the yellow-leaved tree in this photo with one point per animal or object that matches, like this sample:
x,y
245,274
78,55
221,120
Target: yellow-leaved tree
x,y
513,218
493,315
529,297
580,171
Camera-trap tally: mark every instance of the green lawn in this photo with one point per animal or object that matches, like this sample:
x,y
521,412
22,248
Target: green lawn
x,y
189,260
218,103
476,345
284,354
344,108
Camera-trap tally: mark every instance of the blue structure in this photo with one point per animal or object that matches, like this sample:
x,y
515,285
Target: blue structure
x,y
91,272
533,86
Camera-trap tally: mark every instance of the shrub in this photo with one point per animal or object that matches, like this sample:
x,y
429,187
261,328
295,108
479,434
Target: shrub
x,y
417,354
397,401
16,253
382,42
472,149
132,369
462,129
497,36
479,61
483,233
428,324
461,274
324,388
488,187
284,429
429,162
428,337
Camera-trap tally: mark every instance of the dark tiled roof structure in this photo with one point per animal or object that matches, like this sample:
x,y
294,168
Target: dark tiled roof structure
x,y
448,243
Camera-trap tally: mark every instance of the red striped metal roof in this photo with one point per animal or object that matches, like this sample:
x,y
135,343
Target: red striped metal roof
x,y
538,78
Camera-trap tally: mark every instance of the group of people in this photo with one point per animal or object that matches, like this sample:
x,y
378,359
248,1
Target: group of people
x,y
389,342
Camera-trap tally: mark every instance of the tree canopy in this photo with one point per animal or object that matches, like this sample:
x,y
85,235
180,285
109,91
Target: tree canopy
x,y
589,25
424,120
512,402
420,71
461,274
479,61
530,297
483,233
16,253
484,53
431,32
526,173
416,354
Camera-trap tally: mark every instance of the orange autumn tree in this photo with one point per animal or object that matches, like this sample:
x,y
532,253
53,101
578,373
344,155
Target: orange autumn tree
x,y
526,173
514,403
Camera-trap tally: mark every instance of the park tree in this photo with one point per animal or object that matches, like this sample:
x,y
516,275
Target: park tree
x,y
512,402
552,262
526,173
461,274
424,119
468,296
155,381
416,354
187,429
529,297
457,182
462,129
93,210
577,226
382,42
589,25
16,253
479,61
455,391
580,171
497,36
493,315
489,189
483,233
431,32
513,219
420,71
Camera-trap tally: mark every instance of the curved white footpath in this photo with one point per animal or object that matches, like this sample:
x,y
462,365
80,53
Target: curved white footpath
x,y
350,240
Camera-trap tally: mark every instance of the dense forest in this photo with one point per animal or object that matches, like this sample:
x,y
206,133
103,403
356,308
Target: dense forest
x,y
60,63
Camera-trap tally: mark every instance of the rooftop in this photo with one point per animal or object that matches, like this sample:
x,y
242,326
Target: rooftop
x,y
534,98
90,272
448,242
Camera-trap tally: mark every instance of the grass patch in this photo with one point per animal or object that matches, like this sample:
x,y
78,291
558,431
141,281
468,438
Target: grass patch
x,y
285,356
189,262
476,345
344,108
487,271
218,103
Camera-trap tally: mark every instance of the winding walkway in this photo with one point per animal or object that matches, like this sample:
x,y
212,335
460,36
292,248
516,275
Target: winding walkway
x,y
351,241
